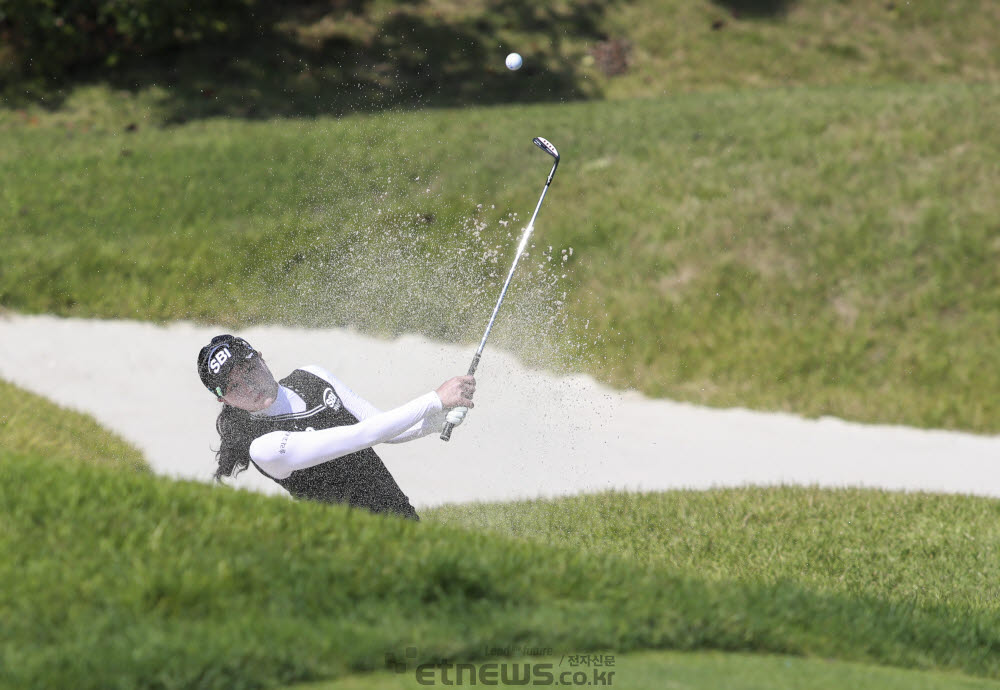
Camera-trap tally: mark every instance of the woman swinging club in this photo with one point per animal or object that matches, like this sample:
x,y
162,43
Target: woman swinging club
x,y
312,434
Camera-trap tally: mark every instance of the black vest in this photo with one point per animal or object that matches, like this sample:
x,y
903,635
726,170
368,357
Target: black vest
x,y
359,479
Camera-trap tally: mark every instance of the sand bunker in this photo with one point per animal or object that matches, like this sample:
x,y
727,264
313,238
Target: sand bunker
x,y
531,434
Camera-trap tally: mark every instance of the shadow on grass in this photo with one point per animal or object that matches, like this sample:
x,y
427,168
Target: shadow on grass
x,y
312,58
757,8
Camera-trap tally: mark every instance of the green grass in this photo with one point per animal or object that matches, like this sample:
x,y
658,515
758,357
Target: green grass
x,y
681,671
792,210
909,548
127,580
823,251
30,423
803,42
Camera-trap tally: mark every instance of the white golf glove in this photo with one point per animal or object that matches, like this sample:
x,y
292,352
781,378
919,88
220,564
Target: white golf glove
x,y
457,415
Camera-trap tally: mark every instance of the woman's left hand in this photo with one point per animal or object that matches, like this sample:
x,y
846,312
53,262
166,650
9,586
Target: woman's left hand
x,y
457,392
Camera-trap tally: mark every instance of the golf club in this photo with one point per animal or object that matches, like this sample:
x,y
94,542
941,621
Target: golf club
x,y
551,150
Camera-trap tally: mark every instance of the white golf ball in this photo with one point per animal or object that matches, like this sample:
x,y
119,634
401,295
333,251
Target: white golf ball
x,y
513,61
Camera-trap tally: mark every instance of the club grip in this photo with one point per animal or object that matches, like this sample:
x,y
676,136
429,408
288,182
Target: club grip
x,y
448,426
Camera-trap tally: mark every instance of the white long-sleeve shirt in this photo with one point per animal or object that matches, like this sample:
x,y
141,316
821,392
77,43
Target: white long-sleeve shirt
x,y
279,453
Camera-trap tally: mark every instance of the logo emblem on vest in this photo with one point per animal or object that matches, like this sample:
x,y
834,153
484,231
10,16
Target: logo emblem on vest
x,y
331,400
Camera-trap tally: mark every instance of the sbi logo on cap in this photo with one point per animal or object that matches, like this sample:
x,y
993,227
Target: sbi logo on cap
x,y
331,400
220,357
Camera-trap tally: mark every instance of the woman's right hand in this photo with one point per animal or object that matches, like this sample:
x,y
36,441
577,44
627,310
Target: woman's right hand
x,y
457,392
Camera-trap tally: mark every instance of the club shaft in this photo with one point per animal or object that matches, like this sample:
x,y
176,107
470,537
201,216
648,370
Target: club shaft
x,y
448,426
520,250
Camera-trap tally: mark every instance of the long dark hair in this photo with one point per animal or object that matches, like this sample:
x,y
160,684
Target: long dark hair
x,y
236,435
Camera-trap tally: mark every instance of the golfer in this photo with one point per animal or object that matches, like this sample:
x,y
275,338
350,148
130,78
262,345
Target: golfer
x,y
312,434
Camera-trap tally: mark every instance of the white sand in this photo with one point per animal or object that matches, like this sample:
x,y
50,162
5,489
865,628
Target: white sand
x,y
532,434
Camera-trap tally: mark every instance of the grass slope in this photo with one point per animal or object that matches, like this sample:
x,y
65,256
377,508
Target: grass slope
x,y
123,580
728,44
680,671
31,424
825,251
912,549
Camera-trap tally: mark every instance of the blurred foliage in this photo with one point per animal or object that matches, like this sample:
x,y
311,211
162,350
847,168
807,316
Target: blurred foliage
x,y
306,58
50,38
246,58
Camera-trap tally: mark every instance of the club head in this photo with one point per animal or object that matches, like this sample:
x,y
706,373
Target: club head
x,y
544,145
